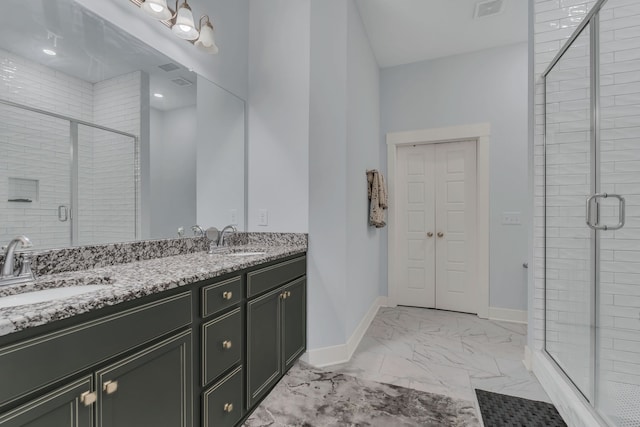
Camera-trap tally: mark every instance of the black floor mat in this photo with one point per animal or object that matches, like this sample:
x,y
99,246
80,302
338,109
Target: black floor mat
x,y
500,410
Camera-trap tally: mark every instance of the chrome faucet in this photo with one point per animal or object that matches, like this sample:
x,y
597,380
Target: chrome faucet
x,y
224,230
197,231
7,275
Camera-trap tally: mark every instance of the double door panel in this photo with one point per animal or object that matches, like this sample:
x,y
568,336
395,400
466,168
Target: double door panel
x,y
437,225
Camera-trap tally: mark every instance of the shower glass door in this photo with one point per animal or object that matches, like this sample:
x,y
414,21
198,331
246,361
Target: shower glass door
x,y
569,180
592,211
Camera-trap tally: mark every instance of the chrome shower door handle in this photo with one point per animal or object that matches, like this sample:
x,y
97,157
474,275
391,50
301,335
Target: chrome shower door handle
x,y
621,212
63,213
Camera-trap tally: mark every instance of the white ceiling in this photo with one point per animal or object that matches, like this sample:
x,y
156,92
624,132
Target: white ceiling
x,y
405,31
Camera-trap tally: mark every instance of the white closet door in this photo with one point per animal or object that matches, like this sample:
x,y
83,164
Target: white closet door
x,y
416,218
456,226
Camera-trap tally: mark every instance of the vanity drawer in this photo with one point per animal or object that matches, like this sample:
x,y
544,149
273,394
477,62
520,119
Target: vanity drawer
x,y
35,363
221,345
271,277
218,296
223,402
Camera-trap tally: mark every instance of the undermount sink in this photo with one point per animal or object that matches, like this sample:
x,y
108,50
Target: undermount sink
x,y
245,253
48,295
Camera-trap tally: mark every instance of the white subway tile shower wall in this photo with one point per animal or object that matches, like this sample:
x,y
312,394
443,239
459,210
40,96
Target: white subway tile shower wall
x,y
116,105
618,342
37,147
619,321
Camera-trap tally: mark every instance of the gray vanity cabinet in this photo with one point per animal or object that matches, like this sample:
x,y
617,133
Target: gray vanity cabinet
x,y
149,388
294,322
264,361
276,324
62,407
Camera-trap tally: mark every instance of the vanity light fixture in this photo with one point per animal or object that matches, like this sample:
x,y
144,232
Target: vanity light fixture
x,y
206,42
158,95
49,52
182,23
184,27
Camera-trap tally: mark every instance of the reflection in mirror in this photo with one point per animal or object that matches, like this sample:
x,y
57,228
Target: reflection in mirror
x,y
103,139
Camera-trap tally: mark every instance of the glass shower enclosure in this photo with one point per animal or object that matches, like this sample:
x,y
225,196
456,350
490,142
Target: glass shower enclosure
x,y
65,182
592,210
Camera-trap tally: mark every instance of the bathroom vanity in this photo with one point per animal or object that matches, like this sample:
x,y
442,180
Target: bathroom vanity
x,y
190,340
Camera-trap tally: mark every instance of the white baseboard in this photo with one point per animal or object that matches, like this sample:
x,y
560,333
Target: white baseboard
x,y
508,315
342,353
573,408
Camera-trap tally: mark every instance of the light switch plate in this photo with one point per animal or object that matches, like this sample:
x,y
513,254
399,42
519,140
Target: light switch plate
x,y
511,218
263,217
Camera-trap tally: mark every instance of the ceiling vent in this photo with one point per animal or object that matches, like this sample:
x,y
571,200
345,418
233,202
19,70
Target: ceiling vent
x,y
489,8
169,67
181,81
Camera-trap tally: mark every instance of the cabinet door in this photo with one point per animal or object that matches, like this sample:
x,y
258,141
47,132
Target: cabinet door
x,y
294,325
263,345
150,388
63,407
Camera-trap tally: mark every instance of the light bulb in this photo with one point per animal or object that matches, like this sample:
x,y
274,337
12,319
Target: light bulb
x,y
184,26
157,9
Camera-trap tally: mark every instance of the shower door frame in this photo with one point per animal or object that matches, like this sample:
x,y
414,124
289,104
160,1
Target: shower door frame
x,y
591,20
74,164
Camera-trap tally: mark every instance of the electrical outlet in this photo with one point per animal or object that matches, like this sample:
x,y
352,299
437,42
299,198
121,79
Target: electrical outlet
x,y
511,218
233,216
263,217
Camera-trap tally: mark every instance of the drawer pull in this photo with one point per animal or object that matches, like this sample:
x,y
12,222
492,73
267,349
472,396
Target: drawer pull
x,y
88,398
228,407
110,387
227,295
226,345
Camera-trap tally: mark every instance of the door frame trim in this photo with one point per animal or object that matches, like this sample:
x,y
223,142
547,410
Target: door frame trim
x,y
481,132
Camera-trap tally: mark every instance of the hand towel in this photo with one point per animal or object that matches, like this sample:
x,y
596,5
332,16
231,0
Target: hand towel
x,y
377,193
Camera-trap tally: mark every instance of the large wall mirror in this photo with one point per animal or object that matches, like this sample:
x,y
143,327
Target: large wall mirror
x,y
103,139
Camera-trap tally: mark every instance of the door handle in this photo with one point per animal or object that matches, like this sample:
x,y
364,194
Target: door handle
x,y
621,212
63,213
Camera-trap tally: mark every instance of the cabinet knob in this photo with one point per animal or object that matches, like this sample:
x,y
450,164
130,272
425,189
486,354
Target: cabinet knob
x,y
226,344
227,295
288,294
228,407
440,234
110,387
430,234
283,295
88,398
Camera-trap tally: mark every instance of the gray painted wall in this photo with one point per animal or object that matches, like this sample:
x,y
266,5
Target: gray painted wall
x,y
487,86
278,109
365,273
327,265
173,171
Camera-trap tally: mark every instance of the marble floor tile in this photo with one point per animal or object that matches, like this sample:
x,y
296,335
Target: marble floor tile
x,y
311,397
444,352
450,381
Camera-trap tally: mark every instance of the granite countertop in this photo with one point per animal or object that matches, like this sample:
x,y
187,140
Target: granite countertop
x,y
129,281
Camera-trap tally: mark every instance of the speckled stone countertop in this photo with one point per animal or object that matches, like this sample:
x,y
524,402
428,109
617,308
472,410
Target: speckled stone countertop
x,y
133,280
